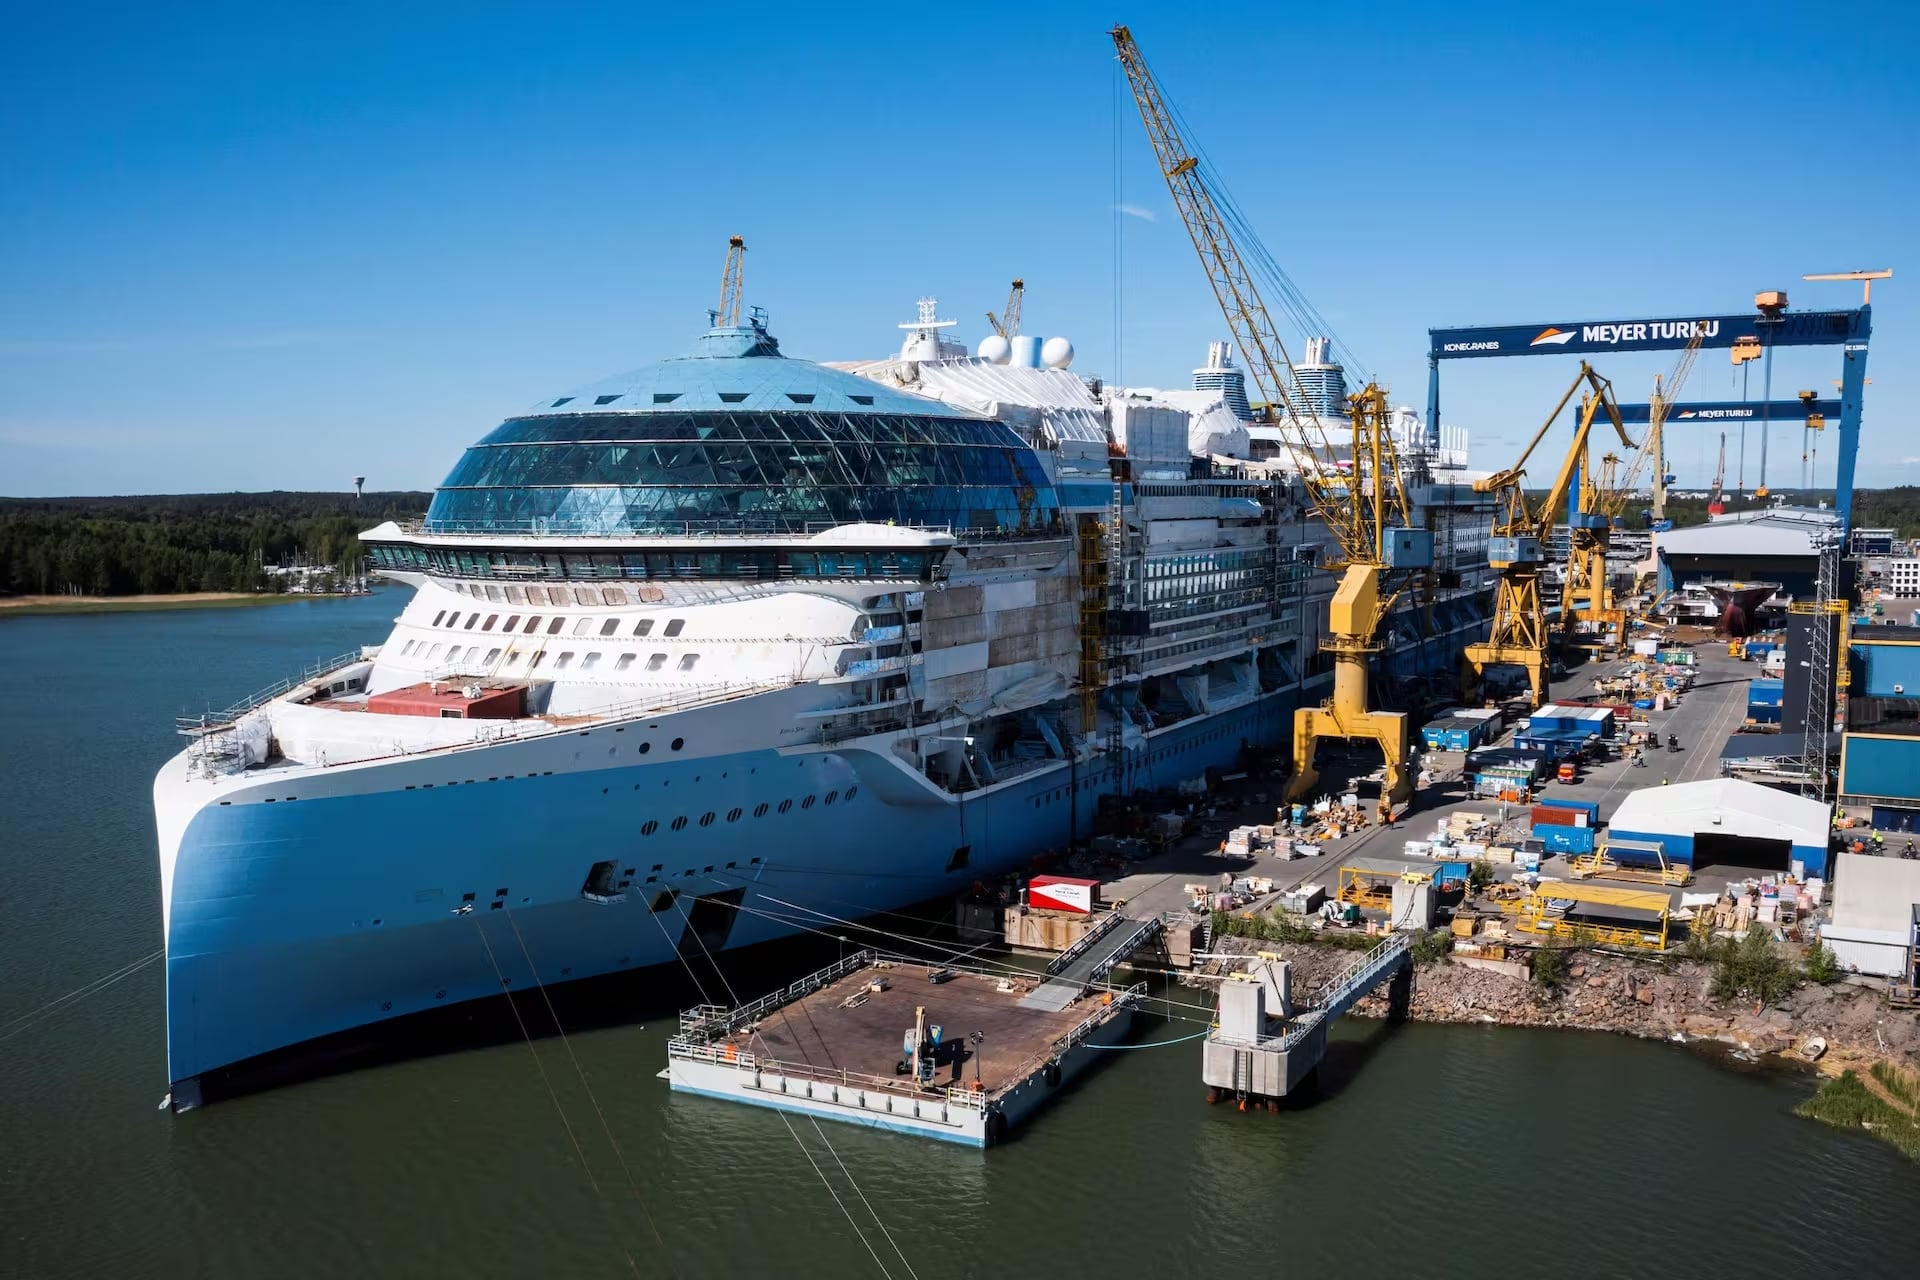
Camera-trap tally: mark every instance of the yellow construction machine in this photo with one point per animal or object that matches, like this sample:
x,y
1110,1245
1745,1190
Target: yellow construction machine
x,y
1517,549
1357,493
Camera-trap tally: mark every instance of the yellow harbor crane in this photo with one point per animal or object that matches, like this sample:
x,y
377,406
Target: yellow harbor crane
x,y
727,314
1517,549
1360,499
1007,323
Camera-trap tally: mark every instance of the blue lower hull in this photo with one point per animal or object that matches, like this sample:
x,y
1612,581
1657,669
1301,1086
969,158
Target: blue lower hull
x,y
294,921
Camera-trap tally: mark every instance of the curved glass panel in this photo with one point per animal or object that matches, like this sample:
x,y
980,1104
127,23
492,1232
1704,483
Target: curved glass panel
x,y
801,472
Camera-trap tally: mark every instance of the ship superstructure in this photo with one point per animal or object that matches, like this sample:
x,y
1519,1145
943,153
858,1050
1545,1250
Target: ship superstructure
x,y
714,651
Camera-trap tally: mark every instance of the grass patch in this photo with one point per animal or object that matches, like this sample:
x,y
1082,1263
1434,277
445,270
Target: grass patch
x,y
1847,1103
1898,1083
1277,926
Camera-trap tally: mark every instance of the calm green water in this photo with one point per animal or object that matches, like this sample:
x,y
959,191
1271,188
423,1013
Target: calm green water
x,y
1434,1152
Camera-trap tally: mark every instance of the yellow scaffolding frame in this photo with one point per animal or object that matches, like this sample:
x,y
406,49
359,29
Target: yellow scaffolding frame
x,y
1531,914
1586,866
1371,887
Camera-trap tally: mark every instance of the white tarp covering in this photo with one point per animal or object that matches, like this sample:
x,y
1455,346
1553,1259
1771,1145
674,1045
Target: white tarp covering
x,y
1874,893
1053,402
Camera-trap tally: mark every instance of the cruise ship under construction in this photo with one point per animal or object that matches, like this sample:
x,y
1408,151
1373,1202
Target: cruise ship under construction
x,y
735,637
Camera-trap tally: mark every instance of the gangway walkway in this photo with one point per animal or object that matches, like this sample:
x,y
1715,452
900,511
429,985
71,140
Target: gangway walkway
x,y
1242,1060
1074,971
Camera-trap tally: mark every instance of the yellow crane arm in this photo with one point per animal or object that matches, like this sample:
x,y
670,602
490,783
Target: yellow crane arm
x,y
1355,507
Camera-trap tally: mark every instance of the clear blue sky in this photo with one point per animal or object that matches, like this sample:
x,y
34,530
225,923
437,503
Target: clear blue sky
x,y
271,246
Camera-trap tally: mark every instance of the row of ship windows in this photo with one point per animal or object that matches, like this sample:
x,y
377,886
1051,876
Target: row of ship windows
x,y
581,626
760,810
471,653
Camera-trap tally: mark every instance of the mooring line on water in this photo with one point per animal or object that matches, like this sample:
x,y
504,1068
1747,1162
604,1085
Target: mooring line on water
x,y
633,1186
541,1067
23,1022
845,1212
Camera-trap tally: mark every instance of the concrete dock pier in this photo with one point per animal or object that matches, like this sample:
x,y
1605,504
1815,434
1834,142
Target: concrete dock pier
x,y
947,1052
1265,1047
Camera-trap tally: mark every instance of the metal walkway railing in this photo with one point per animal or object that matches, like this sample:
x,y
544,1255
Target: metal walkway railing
x,y
1350,986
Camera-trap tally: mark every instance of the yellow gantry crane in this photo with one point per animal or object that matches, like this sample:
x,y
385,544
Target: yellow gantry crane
x,y
1360,498
1517,549
1007,323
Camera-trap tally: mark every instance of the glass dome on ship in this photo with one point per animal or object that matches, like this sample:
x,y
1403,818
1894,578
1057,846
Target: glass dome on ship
x,y
737,439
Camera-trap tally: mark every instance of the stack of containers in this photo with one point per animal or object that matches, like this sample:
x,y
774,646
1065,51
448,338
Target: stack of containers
x,y
1566,826
1457,733
1764,698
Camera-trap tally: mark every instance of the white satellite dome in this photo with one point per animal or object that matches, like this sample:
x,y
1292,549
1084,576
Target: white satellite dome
x,y
994,349
1056,353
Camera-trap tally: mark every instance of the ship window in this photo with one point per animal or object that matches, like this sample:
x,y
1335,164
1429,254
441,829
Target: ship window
x,y
606,399
706,820
785,805
760,810
733,815
437,617
645,747
582,626
613,595
861,399
675,627
624,661
513,620
553,628
647,828
656,661
611,625
471,619
513,657
664,899
564,661
665,397
516,595
643,627
678,824
447,713
491,619
536,660
589,662
585,595
732,397
831,796
678,743
495,594
799,398
557,403
851,793
807,803
434,652
493,656
533,625
406,648
688,661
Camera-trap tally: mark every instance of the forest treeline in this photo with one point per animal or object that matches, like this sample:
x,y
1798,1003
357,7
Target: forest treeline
x,y
171,543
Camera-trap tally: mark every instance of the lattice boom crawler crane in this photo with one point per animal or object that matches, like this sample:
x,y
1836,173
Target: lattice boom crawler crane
x,y
1361,499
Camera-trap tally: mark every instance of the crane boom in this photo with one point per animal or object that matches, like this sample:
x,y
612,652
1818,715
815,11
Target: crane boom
x,y
727,314
1361,500
1662,400
1007,323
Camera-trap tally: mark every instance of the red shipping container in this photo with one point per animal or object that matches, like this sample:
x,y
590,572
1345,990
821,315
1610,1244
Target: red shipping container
x,y
1546,815
1063,893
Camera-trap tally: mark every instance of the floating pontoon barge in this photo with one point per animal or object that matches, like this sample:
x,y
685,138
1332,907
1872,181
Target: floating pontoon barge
x,y
857,1042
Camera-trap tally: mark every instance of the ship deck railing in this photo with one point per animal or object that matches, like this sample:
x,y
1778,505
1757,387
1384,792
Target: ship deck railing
x,y
705,530
215,721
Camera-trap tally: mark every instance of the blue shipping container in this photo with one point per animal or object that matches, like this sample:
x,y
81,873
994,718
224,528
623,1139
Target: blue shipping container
x,y
1565,839
1766,693
1764,712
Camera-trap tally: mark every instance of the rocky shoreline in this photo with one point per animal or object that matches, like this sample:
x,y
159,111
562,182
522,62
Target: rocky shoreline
x,y
1664,998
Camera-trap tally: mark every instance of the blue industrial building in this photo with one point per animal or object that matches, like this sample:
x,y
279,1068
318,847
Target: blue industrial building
x,y
1726,822
1880,750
